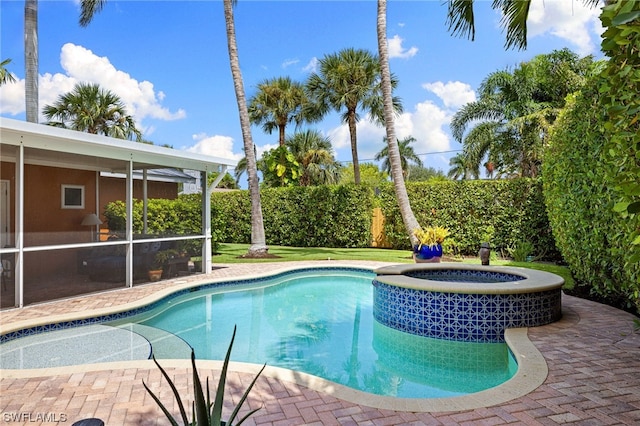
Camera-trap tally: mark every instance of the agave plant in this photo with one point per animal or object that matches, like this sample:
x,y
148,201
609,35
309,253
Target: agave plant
x,y
204,412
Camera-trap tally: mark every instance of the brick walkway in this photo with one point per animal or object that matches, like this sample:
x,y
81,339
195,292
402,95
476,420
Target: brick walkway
x,y
592,354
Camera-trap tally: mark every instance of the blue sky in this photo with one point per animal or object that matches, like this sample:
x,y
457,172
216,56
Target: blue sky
x,y
168,62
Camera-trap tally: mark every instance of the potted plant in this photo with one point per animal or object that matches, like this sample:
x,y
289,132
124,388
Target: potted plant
x,y
160,261
429,247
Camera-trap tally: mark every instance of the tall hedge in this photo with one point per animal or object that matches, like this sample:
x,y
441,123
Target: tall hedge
x,y
507,211
341,216
580,200
320,216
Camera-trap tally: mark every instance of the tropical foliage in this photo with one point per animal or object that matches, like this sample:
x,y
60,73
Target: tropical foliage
x,y
349,82
511,118
370,175
461,167
314,154
89,108
279,167
407,156
279,101
461,21
5,75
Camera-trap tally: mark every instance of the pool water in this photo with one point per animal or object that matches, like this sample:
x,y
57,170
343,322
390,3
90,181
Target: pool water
x,y
322,323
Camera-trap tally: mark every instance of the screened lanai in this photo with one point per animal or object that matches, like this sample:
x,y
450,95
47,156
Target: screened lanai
x,y
55,239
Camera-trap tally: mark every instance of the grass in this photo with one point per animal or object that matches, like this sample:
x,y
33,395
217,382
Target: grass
x,y
232,253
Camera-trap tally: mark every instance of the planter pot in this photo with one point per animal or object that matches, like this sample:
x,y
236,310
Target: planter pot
x,y
427,254
155,274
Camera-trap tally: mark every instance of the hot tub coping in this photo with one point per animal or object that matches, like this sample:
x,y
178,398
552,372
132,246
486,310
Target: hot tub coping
x,y
534,281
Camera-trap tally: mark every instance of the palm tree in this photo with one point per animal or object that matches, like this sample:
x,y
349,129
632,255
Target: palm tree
x,y
515,110
5,76
258,245
461,21
408,218
349,81
463,168
31,59
314,154
89,108
407,155
279,101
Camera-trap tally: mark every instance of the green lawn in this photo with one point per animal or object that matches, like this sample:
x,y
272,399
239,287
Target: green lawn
x,y
232,253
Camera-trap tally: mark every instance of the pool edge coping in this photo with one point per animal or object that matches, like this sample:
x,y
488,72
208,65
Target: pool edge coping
x,y
531,373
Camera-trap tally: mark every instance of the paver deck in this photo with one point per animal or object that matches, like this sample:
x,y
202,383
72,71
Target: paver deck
x,y
593,357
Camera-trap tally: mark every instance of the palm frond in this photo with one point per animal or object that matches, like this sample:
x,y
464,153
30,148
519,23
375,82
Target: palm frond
x,y
460,18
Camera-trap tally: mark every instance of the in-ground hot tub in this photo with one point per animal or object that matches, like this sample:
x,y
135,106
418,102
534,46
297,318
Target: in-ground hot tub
x,y
465,302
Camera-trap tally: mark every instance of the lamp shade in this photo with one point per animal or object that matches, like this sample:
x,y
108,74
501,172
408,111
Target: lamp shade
x,y
91,220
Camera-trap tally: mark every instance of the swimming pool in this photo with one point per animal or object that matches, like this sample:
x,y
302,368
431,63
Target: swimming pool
x,y
321,323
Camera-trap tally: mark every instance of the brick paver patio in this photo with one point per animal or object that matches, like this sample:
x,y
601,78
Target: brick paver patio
x,y
592,354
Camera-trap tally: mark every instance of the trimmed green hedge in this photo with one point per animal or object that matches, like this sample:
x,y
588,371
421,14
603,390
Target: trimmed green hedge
x,y
507,211
592,237
320,216
341,216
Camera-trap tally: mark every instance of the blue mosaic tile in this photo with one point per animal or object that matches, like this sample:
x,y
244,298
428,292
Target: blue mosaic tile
x,y
461,275
464,317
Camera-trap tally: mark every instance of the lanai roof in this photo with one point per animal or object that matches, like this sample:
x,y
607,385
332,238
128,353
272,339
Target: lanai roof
x,y
52,146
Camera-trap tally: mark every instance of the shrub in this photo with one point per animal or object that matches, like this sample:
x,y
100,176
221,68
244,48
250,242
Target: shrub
x,y
508,211
580,200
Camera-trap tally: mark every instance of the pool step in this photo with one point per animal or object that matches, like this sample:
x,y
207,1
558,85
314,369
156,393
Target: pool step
x,y
164,345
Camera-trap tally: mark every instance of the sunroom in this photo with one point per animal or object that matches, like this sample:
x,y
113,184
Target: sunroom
x,y
55,240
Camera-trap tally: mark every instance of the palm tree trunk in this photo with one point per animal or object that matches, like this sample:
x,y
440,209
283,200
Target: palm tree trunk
x,y
354,146
31,59
410,221
281,135
258,243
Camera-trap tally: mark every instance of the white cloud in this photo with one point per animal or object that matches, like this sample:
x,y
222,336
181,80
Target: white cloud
x,y
289,62
264,148
570,20
397,51
82,65
12,97
140,98
454,94
312,66
428,123
216,146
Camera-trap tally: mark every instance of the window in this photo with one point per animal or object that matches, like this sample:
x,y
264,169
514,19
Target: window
x,y
72,196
